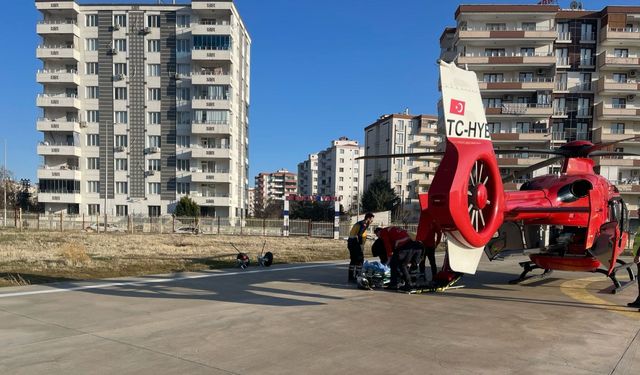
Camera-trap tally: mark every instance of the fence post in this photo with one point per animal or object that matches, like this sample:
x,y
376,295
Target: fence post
x,y
264,227
285,215
15,218
309,226
20,218
218,224
173,223
241,222
83,221
160,221
61,230
336,221
38,221
105,223
129,224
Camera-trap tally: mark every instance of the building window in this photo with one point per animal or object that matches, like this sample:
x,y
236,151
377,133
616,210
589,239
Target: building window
x,y
183,141
122,187
121,140
91,68
398,176
153,165
154,211
617,128
153,45
121,164
120,45
184,69
153,188
93,186
525,76
399,137
618,102
121,117
342,160
527,51
523,127
183,93
620,77
92,92
93,163
153,70
93,116
183,117
183,188
154,118
586,56
340,169
153,141
183,20
122,210
183,45
493,77
91,20
529,26
620,52
91,44
183,164
496,26
212,42
120,69
93,209
120,20
93,139
399,150
120,93
153,21
153,94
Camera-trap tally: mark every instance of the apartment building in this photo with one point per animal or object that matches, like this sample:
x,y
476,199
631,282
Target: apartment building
x,y
397,134
308,176
142,104
334,172
274,186
549,76
251,198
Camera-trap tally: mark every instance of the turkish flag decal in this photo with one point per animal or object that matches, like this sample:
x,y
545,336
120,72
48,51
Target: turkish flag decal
x,y
457,107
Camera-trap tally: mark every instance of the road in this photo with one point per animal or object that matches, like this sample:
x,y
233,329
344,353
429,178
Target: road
x,y
294,319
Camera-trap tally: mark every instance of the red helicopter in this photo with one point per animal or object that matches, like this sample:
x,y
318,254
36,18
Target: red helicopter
x,y
574,221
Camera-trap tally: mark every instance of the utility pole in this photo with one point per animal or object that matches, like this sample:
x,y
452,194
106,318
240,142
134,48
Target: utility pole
x,y
4,177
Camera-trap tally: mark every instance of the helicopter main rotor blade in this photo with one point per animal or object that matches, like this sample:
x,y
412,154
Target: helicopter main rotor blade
x,y
517,174
503,151
600,146
407,154
613,153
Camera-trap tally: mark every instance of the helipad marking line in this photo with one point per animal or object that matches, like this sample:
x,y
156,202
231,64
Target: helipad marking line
x,y
164,280
577,289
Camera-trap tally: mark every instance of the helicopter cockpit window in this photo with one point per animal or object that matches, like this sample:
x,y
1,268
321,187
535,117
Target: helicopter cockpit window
x,y
618,212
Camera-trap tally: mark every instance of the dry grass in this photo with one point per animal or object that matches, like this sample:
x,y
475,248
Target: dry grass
x,y
36,257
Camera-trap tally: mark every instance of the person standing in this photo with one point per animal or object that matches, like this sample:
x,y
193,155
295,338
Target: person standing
x,y
355,244
636,260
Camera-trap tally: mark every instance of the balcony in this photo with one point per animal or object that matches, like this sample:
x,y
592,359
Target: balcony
x,y
616,161
425,169
210,103
425,144
58,101
484,34
520,160
617,62
46,125
210,78
628,187
620,36
616,112
62,197
605,135
207,29
58,76
508,59
58,6
210,176
587,38
57,27
211,54
609,86
57,52
563,37
209,153
59,173
535,84
520,109
541,135
204,128
209,6
62,149
210,201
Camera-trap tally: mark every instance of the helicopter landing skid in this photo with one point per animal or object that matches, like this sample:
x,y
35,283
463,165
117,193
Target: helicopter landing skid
x,y
617,285
528,267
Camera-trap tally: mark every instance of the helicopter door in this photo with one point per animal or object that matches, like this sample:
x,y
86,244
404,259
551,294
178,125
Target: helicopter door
x,y
509,239
609,241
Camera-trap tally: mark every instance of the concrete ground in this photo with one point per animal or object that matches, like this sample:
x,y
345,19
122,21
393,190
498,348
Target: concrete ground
x,y
299,319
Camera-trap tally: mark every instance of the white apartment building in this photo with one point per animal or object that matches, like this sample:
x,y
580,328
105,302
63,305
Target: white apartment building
x,y
308,176
334,172
549,75
397,134
142,104
276,185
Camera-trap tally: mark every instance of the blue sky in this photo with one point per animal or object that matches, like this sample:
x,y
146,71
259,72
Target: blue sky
x,y
319,70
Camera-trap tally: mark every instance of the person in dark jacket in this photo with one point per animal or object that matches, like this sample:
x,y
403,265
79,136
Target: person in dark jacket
x,y
355,244
636,260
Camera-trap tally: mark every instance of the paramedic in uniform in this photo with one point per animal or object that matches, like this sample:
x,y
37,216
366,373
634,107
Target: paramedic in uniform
x,y
401,249
355,244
